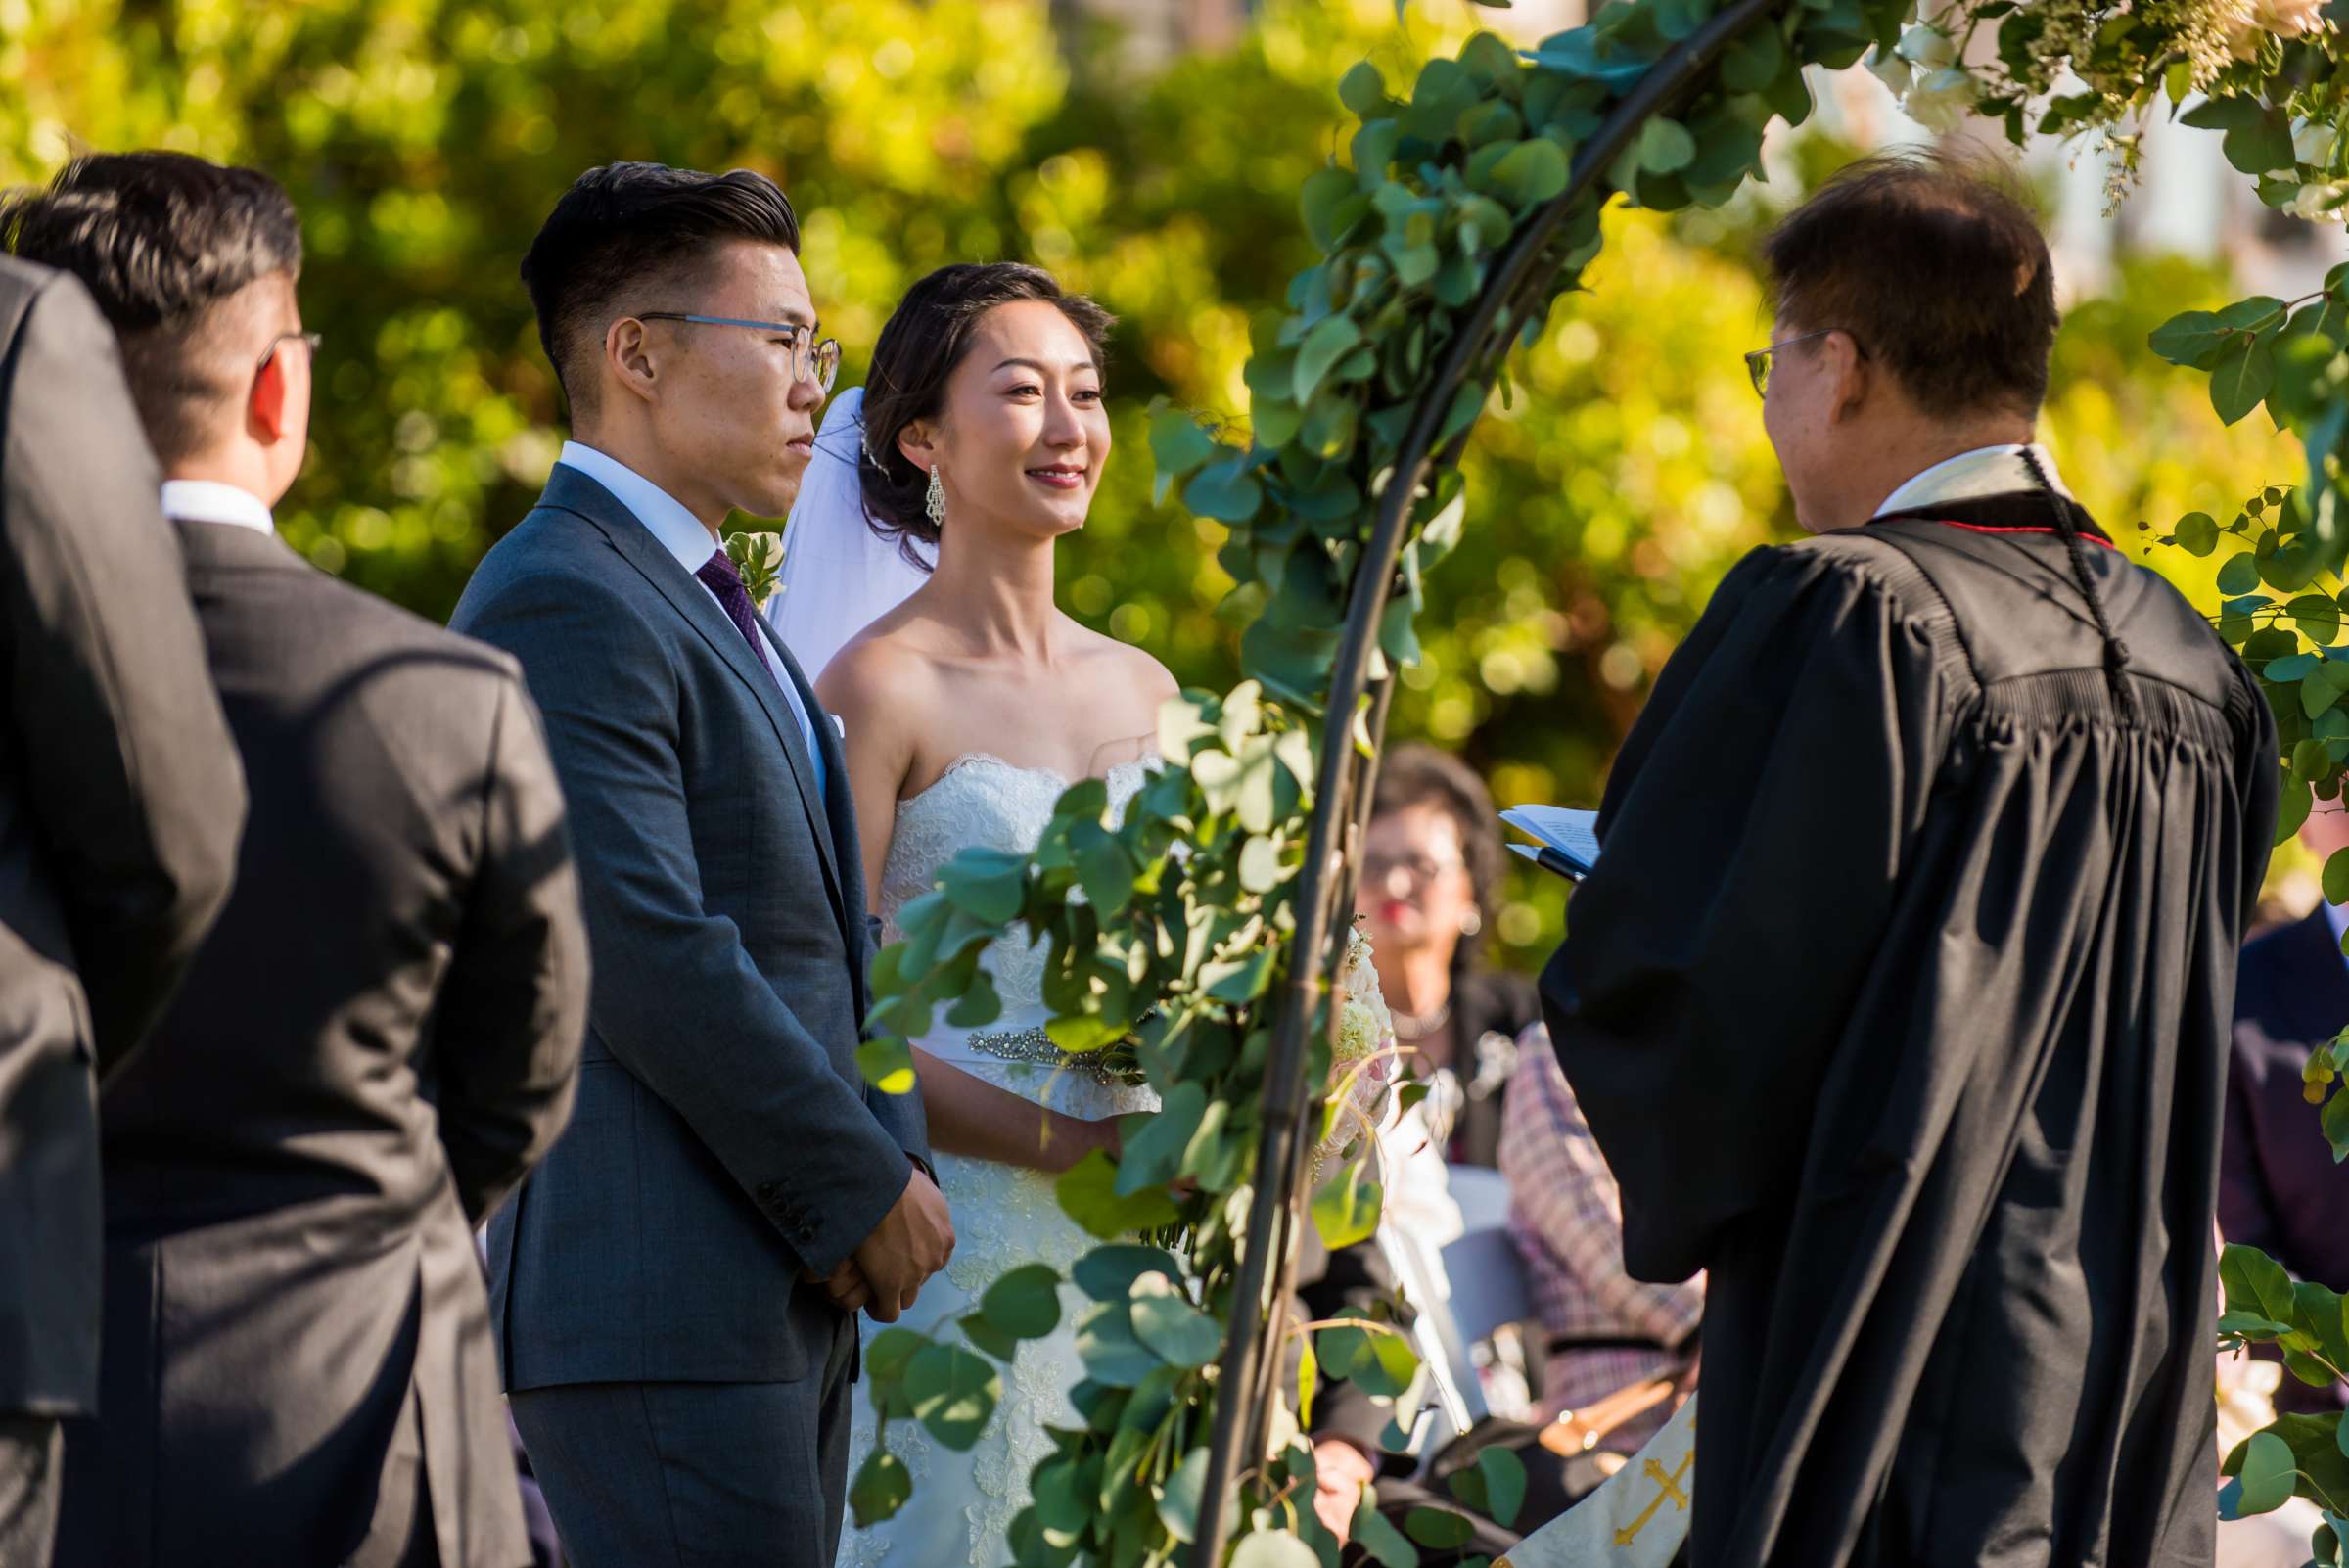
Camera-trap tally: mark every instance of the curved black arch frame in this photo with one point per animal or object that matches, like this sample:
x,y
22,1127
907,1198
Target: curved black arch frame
x,y
1246,1380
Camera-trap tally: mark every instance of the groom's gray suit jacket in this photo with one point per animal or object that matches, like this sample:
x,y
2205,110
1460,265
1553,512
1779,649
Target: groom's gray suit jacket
x,y
723,1138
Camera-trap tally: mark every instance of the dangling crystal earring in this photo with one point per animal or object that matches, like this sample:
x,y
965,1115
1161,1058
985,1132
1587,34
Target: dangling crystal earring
x,y
1473,922
935,502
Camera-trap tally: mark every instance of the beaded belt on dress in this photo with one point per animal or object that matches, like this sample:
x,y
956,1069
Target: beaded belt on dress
x,y
1036,1047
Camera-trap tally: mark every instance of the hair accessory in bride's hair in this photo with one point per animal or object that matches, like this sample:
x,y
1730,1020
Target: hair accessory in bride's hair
x,y
935,502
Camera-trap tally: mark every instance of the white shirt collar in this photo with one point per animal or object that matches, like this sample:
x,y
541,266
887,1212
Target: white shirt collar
x,y
1969,476
210,501
679,532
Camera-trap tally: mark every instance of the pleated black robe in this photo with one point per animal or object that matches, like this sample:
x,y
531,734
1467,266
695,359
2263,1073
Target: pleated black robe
x,y
1899,1004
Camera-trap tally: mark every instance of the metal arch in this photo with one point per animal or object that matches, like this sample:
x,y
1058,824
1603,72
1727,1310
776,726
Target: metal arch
x,y
1246,1384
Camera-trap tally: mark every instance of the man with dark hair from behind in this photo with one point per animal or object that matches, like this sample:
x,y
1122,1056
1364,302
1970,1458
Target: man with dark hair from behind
x,y
119,809
383,1032
677,1285
1913,1039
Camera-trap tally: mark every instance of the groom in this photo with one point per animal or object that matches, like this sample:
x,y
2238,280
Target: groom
x,y
676,1286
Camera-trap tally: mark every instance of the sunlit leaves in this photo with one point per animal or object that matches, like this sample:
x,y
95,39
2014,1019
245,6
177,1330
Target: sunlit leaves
x,y
953,1393
881,1488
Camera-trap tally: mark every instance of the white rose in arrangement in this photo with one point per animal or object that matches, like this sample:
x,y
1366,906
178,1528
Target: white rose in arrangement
x,y
1940,101
2311,144
1363,1063
2319,202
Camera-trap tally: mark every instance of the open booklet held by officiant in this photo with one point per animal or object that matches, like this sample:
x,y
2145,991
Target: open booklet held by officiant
x,y
1567,841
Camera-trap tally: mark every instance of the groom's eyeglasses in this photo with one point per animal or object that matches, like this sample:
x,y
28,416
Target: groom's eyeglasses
x,y
1757,363
810,360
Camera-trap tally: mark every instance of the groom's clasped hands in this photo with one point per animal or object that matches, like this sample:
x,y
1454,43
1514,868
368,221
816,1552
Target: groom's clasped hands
x,y
885,1273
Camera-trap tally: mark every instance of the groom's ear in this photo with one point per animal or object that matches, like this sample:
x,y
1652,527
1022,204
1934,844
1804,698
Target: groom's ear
x,y
628,357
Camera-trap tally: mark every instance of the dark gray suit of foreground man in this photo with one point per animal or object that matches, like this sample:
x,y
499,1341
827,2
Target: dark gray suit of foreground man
x,y
119,808
379,1038
657,1337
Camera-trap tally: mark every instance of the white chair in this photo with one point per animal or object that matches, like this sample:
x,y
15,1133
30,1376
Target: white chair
x,y
1461,1293
1489,1286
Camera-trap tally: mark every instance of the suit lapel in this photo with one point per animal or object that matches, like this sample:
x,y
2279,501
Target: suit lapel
x,y
572,491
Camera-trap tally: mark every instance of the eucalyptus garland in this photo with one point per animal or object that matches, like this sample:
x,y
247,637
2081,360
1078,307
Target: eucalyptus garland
x,y
1172,931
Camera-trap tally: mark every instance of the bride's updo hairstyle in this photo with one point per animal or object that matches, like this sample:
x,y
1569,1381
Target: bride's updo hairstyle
x,y
924,341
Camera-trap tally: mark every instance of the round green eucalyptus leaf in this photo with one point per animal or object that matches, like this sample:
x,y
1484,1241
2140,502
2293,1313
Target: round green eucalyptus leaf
x,y
1270,1549
1108,1274
1112,1354
2239,574
1665,147
1442,1529
1023,1303
2197,534
1362,91
953,1393
1165,1320
1179,1498
1530,173
882,1486
1225,491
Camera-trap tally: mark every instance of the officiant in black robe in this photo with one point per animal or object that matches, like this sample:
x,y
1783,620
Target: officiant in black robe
x,y
1899,1000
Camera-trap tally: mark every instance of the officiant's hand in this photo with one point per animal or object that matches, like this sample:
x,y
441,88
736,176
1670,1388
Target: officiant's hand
x,y
912,1242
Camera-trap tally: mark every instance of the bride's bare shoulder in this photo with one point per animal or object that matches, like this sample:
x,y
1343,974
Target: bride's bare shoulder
x,y
886,660
1140,672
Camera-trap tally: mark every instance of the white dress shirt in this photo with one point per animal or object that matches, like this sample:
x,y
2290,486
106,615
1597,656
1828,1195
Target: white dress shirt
x,y
208,501
682,535
1984,471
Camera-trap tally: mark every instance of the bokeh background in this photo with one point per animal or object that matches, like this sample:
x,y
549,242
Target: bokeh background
x,y
1149,152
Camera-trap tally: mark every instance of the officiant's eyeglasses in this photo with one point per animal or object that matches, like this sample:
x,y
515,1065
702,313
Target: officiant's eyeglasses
x,y
810,360
308,339
1757,363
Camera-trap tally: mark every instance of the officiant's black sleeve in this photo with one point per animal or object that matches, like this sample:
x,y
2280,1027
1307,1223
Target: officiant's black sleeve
x,y
1752,835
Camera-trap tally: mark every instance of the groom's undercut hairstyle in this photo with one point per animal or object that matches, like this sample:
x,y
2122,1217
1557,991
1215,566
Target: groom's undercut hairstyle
x,y
169,245
1936,267
632,236
924,340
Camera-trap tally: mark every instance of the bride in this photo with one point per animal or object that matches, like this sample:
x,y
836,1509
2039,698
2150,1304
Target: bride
x,y
967,709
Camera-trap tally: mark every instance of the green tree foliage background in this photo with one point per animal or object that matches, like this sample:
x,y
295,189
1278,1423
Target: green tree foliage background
x,y
425,141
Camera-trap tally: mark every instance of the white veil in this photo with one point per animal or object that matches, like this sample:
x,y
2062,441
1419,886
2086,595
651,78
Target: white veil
x,y
839,577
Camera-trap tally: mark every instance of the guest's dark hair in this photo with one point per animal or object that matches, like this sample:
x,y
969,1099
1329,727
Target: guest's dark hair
x,y
158,239
625,228
926,337
1418,775
1937,268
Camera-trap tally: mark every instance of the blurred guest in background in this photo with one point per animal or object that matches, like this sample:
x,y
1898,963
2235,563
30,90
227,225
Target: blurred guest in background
x,y
1431,879
382,1033
119,809
2278,1188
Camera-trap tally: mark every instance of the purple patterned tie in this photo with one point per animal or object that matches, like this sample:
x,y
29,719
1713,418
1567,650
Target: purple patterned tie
x,y
717,573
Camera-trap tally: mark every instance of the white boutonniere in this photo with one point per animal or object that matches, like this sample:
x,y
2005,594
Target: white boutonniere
x,y
758,557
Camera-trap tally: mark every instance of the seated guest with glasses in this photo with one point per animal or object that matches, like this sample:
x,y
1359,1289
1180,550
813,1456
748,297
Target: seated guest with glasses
x,y
1431,875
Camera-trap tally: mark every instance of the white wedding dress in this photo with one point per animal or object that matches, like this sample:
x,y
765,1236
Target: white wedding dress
x,y
1004,1216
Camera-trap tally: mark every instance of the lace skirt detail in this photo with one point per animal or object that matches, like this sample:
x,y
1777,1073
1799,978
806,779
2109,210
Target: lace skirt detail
x,y
1004,1216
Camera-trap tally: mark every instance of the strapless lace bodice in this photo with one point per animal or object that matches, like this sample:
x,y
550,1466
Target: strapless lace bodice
x,y
983,800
